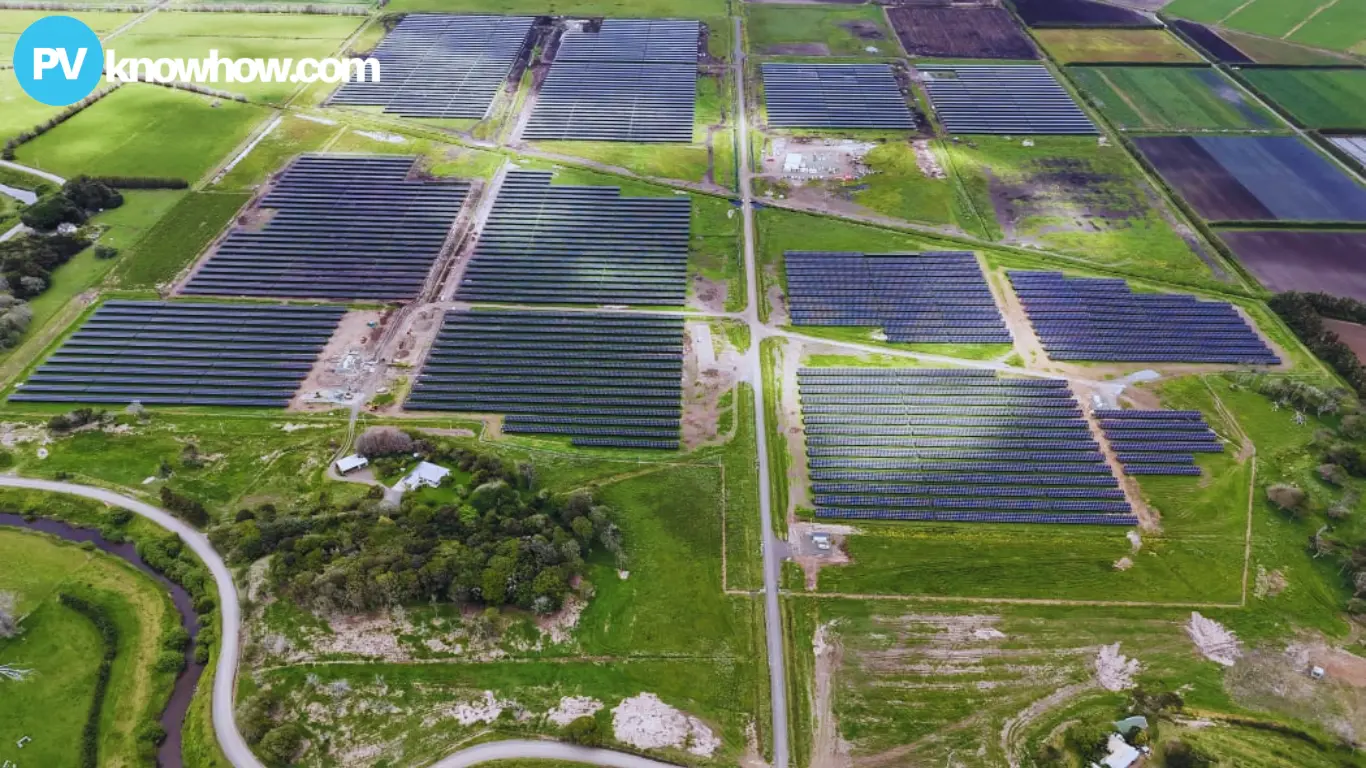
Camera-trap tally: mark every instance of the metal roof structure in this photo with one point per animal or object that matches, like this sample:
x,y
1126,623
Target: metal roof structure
x,y
183,353
350,227
437,65
834,96
579,245
653,41
602,379
935,297
1003,99
953,445
633,80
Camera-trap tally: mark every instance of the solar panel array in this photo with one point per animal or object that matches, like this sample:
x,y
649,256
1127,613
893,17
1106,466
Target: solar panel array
x,y
181,353
547,244
345,227
954,446
436,65
605,380
834,96
1158,442
1103,319
634,80
1003,99
935,297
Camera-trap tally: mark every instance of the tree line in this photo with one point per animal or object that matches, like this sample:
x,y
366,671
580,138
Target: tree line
x,y
1305,312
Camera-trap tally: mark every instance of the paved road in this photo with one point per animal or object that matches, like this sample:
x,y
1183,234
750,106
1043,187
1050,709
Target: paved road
x,y
773,622
52,177
22,195
224,724
521,749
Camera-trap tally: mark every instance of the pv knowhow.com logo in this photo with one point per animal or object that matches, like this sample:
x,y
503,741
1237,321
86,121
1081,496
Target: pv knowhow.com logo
x,y
59,60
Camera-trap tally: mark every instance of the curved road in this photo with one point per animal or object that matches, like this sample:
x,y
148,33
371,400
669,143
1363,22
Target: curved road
x,y
225,674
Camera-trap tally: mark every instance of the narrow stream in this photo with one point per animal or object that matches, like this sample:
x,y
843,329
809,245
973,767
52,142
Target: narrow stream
x,y
169,755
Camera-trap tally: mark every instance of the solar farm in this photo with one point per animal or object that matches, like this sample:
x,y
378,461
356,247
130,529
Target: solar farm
x,y
558,244
344,227
442,66
834,96
1158,442
914,297
1004,99
1250,178
631,80
953,446
603,380
183,353
1104,319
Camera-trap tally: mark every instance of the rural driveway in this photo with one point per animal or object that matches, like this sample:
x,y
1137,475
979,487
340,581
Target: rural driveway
x,y
225,724
52,177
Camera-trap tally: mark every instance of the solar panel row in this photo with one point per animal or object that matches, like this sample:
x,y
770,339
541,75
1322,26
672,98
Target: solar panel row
x,y
834,96
1155,442
437,65
345,227
1103,319
550,373
1003,99
973,462
631,80
579,245
181,353
933,297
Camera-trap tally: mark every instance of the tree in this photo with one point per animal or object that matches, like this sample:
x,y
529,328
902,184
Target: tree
x,y
1332,474
91,195
51,212
9,616
1179,754
1287,497
106,252
585,731
384,441
281,744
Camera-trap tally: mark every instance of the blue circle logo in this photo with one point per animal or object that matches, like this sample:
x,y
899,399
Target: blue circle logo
x,y
58,60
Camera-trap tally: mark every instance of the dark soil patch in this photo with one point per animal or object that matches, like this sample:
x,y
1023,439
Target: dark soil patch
x,y
1079,13
1288,260
798,49
1353,335
864,30
1067,193
961,33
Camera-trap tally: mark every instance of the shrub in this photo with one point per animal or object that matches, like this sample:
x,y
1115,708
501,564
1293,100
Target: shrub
x,y
170,661
384,441
1287,497
281,744
187,509
585,731
51,212
90,735
106,252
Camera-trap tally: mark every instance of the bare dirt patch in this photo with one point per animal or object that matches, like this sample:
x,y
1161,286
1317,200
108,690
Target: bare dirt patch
x,y
571,708
1214,641
1269,583
829,750
804,552
1353,335
1280,681
864,30
646,722
801,160
338,375
798,49
1065,191
707,376
1114,670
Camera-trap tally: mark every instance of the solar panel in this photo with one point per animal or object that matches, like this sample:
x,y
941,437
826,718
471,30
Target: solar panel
x,y
933,297
1156,442
1103,319
972,462
634,403
1003,99
834,96
180,353
442,66
348,227
548,244
629,80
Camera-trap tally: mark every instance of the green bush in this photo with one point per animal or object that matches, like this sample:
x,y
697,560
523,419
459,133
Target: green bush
x,y
90,735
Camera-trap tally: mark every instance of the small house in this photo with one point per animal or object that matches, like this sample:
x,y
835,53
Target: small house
x,y
348,464
425,475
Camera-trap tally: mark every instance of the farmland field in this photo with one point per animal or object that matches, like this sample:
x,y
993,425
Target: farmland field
x,y
1070,46
1256,179
1079,13
1338,27
1317,98
818,30
1310,22
1268,50
961,32
167,247
144,130
1172,99
18,112
1286,260
1273,18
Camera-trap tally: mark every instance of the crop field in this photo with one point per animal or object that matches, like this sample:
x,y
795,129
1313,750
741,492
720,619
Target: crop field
x,y
1078,13
144,130
62,649
1310,22
1073,46
1269,50
1068,194
1287,260
1316,98
1256,179
166,247
1212,42
825,30
961,32
1172,99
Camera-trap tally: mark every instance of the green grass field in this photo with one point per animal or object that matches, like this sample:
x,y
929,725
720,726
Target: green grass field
x,y
1273,18
1337,27
1318,23
1317,98
173,242
833,30
18,111
1172,99
1268,50
144,130
689,9
292,137
1070,46
62,648
1204,10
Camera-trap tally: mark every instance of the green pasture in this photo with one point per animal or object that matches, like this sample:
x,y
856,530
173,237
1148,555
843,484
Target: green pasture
x,y
1204,10
838,30
1172,99
1268,50
1319,23
1071,46
162,248
1317,98
144,130
18,111
1273,18
292,137
1337,27
14,22
682,9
